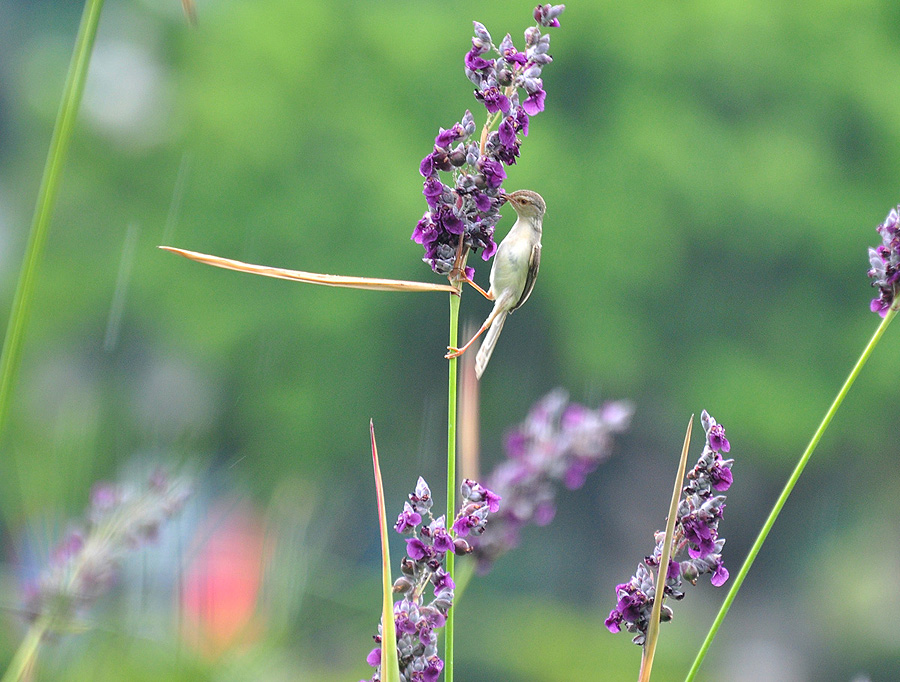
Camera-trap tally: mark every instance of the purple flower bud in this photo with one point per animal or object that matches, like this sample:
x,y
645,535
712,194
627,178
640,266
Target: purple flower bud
x,y
416,549
421,498
442,541
408,519
507,131
481,33
493,99
720,576
534,103
547,15
492,172
426,167
475,62
442,580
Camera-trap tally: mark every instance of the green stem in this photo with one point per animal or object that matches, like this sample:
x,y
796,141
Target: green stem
x,y
451,475
789,486
27,651
59,145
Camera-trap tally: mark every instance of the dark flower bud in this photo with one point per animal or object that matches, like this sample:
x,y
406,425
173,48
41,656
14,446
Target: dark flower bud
x,y
440,160
665,614
504,76
481,33
473,153
461,547
403,585
457,157
689,572
407,567
443,601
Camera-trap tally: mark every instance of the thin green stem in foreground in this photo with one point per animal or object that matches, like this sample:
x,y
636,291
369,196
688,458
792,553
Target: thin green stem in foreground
x,y
662,570
789,486
59,145
26,654
451,475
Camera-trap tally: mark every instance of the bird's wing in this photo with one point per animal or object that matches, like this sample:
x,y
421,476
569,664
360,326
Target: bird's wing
x,y
534,263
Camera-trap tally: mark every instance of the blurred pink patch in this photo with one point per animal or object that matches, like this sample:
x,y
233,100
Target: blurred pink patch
x,y
223,580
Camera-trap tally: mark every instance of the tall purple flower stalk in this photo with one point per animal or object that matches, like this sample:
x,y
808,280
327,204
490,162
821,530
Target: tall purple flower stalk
x,y
696,540
463,209
418,615
559,442
86,563
885,262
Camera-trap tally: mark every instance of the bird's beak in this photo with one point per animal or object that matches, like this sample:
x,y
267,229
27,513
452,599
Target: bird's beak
x,y
504,197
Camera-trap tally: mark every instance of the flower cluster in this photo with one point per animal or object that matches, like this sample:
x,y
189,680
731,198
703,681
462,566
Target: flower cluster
x,y
423,566
558,441
885,261
696,530
462,213
85,564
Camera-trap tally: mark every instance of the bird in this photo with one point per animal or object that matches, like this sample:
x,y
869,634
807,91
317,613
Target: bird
x,y
513,273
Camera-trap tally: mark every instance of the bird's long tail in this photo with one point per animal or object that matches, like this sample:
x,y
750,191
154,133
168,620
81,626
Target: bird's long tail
x,y
487,346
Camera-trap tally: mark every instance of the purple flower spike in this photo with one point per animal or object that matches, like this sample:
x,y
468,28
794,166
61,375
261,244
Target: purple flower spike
x,y
120,519
507,80
696,533
416,620
885,264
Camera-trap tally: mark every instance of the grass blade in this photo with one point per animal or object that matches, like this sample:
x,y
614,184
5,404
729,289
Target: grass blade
x,y
371,283
43,211
653,628
390,664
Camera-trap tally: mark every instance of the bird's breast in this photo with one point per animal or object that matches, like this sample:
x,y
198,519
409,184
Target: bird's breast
x,y
511,266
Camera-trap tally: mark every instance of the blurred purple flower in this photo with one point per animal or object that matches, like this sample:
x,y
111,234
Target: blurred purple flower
x,y
86,563
558,442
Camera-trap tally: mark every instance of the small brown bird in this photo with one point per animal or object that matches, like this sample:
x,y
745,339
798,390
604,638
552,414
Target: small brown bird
x,y
513,273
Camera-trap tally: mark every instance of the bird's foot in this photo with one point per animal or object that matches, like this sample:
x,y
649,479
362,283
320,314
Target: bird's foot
x,y
453,352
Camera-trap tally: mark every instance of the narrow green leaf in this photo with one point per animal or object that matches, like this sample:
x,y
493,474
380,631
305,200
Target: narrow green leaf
x,y
37,237
390,664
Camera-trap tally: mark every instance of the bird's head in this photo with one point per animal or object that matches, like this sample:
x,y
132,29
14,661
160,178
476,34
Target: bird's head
x,y
528,204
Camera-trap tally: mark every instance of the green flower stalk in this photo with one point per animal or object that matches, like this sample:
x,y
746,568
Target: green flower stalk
x,y
885,275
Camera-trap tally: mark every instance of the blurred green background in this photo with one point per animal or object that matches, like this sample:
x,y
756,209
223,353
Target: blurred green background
x,y
713,173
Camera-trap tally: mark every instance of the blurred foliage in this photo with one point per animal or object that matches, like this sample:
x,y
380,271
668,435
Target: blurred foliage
x,y
713,172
